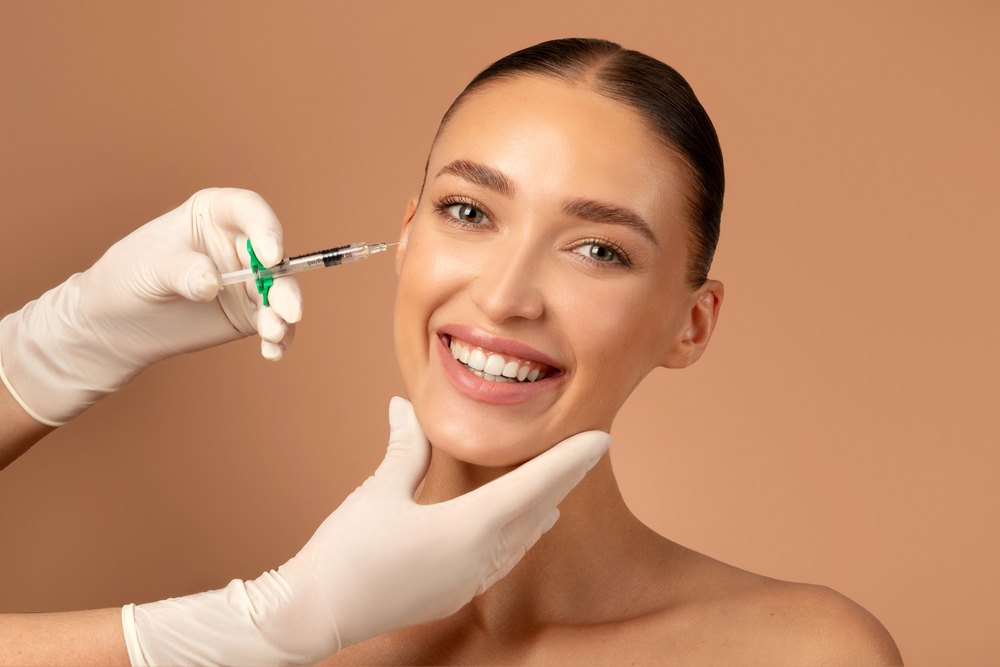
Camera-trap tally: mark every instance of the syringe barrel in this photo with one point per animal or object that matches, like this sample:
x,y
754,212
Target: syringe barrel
x,y
346,253
317,260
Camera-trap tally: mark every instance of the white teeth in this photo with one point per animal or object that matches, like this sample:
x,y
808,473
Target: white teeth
x,y
477,359
492,378
459,351
494,364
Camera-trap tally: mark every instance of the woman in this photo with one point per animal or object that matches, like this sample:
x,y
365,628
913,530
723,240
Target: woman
x,y
558,251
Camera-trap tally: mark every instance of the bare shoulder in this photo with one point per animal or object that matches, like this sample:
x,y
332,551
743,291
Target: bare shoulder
x,y
779,622
826,627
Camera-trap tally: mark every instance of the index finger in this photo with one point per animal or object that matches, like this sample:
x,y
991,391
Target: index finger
x,y
541,482
246,211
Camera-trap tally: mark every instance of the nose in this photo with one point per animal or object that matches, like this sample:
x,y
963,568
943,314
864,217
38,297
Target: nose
x,y
510,285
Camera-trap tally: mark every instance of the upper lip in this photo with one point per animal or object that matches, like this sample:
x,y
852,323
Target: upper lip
x,y
505,346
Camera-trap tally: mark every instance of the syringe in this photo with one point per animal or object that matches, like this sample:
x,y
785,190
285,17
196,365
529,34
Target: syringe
x,y
308,262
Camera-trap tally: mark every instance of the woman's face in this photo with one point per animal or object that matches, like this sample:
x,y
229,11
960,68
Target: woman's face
x,y
549,245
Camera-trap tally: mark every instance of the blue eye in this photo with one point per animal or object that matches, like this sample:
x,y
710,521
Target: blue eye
x,y
466,214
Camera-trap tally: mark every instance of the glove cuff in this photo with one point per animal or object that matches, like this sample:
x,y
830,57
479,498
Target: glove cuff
x,y
245,623
135,655
17,397
48,363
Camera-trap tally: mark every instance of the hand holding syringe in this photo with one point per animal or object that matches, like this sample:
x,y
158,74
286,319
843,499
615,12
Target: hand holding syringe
x,y
155,294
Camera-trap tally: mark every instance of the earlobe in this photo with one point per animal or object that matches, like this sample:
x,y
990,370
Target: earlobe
x,y
693,338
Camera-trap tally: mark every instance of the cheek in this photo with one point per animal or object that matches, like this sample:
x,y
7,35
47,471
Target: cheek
x,y
618,338
415,298
429,275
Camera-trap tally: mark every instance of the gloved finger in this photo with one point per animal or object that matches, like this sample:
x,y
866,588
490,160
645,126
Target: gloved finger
x,y
409,453
285,299
271,351
185,273
246,211
276,351
286,342
540,483
270,326
519,536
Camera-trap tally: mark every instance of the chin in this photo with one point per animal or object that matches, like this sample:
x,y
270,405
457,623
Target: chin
x,y
472,444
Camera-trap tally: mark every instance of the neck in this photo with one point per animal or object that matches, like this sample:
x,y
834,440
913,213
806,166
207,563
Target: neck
x,y
590,568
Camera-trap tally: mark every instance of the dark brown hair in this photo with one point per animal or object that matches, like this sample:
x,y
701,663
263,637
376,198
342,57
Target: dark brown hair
x,y
663,99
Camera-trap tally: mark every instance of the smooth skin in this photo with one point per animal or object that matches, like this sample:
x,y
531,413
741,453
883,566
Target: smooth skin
x,y
73,638
77,637
600,587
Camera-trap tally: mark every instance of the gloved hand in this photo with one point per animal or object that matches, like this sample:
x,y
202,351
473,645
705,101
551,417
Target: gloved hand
x,y
152,295
378,563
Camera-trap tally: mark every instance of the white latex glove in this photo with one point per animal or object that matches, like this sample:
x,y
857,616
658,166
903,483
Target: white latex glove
x,y
378,563
152,295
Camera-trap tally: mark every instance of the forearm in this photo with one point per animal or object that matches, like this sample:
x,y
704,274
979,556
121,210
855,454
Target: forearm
x,y
18,431
65,638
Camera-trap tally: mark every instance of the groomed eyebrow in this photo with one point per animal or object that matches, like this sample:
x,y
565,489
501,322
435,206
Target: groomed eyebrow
x,y
585,209
595,211
480,175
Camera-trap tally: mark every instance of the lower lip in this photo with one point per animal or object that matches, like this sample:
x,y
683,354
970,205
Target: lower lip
x,y
497,393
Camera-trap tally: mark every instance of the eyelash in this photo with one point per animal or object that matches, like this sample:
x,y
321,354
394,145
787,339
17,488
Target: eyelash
x,y
442,205
624,261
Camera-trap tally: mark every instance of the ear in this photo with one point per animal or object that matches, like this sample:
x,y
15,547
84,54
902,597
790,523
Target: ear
x,y
701,317
404,234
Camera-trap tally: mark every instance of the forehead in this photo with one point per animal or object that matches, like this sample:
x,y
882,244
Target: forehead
x,y
562,139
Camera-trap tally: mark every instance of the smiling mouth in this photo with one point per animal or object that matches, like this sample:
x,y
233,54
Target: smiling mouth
x,y
495,366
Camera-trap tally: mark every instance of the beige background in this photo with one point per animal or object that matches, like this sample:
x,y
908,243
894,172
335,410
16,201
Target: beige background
x,y
842,428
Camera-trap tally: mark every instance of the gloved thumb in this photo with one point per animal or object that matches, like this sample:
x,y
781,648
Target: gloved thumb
x,y
409,453
540,484
191,275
